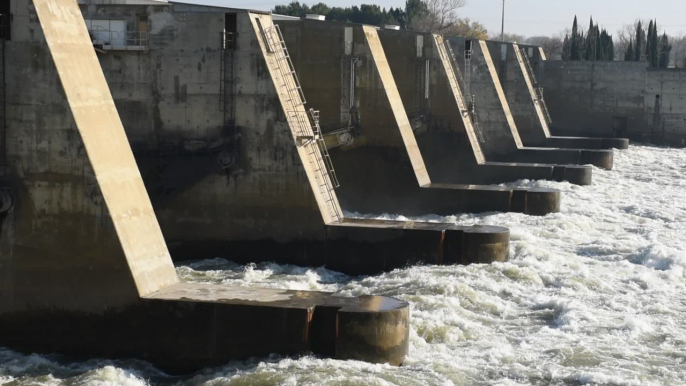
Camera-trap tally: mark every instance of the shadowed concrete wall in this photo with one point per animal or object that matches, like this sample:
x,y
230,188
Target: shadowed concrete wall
x,y
616,98
384,160
82,235
500,136
198,204
431,106
516,90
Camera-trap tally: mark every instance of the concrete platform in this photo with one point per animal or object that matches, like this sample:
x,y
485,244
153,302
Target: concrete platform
x,y
186,327
358,246
586,143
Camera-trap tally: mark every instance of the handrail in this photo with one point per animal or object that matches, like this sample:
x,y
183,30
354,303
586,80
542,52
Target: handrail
x,y
306,133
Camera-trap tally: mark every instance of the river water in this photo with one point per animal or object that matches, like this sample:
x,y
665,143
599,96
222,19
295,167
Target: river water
x,y
595,294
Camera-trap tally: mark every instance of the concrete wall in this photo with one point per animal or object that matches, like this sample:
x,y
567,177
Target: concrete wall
x,y
500,136
198,204
516,90
377,163
595,98
82,234
168,100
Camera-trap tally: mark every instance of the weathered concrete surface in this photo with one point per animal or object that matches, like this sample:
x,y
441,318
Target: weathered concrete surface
x,y
616,99
502,140
385,159
527,108
84,270
448,140
186,327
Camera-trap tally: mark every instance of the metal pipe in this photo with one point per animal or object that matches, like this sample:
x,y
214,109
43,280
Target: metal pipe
x,y
352,81
502,33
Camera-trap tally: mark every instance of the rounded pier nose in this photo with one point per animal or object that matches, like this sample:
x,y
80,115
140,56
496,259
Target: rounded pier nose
x,y
376,329
600,158
479,244
574,174
615,143
536,202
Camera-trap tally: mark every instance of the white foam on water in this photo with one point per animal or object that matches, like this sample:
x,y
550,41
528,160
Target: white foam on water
x,y
595,294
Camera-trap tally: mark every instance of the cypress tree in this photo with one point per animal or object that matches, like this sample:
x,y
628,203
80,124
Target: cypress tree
x,y
589,43
655,47
566,48
665,51
649,44
638,42
575,53
629,54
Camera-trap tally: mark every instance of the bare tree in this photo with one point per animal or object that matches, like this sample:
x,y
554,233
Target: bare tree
x,y
441,15
625,35
514,38
552,45
678,50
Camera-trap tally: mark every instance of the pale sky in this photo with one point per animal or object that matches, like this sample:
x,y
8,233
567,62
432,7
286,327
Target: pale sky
x,y
529,17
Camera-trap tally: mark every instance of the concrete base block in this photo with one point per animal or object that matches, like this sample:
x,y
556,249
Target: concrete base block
x,y
478,245
574,174
537,202
187,327
585,143
615,143
600,158
354,246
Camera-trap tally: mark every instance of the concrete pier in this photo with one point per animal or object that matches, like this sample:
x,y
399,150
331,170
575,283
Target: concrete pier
x,y
356,93
450,141
84,268
217,141
502,139
520,74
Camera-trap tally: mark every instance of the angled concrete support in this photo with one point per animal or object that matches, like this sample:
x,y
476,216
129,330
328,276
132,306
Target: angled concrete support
x,y
433,88
520,72
502,141
84,269
383,169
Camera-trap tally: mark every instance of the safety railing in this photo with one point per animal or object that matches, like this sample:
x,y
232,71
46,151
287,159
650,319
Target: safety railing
x,y
305,127
523,57
117,40
529,67
468,109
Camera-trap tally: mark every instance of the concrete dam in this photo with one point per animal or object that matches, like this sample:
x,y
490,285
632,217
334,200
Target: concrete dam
x,y
137,134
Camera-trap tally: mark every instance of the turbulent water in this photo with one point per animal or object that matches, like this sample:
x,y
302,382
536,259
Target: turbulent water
x,y
595,294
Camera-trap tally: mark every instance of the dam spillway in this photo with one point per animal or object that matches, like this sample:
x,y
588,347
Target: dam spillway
x,y
92,160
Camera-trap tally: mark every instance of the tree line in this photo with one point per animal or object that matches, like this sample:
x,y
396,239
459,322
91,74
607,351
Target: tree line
x,y
639,41
437,16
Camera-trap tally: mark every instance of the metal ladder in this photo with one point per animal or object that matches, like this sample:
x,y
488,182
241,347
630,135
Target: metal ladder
x,y
305,132
467,110
226,81
3,96
538,91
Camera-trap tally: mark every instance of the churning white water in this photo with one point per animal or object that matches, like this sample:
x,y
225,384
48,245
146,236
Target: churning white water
x,y
595,294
